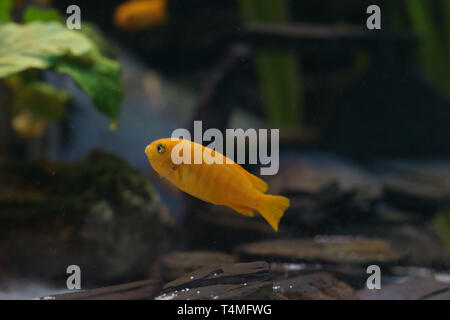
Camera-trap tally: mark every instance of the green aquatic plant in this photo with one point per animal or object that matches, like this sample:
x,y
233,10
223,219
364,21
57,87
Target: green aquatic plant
x,y
434,34
32,14
441,224
43,42
36,105
5,10
277,70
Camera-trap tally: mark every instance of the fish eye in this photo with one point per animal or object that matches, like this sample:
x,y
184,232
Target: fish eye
x,y
160,148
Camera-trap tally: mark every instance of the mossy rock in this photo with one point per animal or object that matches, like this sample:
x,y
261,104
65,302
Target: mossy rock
x,y
98,213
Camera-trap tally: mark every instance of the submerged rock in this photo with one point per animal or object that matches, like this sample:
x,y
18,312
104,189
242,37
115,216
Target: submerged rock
x,y
176,264
330,250
98,213
233,281
421,187
224,228
323,192
417,244
430,288
316,286
303,179
139,290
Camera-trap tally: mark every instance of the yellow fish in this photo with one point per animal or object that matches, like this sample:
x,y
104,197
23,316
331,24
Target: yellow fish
x,y
136,15
225,184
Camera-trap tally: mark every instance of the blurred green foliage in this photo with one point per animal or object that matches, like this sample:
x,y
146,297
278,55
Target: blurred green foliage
x,y
38,45
5,10
96,36
43,42
441,223
36,105
99,77
278,71
33,14
433,28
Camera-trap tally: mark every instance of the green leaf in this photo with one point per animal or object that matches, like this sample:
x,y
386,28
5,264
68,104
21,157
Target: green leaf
x,y
433,46
96,36
5,10
441,224
42,100
101,80
50,45
33,14
38,45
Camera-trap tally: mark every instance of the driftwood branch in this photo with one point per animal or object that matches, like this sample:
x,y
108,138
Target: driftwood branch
x,y
311,38
220,75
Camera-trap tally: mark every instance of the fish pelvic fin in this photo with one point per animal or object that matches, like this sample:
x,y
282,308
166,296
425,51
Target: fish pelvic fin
x,y
244,210
272,209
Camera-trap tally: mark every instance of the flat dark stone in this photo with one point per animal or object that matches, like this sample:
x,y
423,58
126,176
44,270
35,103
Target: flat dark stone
x,y
332,250
302,179
325,190
316,286
424,187
225,228
245,291
139,290
414,289
233,281
176,264
387,214
302,175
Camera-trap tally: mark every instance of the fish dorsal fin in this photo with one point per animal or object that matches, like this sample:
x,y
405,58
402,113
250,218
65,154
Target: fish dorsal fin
x,y
258,183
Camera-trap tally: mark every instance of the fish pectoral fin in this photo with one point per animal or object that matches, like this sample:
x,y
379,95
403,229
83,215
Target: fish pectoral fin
x,y
244,210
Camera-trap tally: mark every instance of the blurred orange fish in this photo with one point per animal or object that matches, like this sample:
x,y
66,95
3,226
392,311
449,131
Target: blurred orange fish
x,y
137,15
225,184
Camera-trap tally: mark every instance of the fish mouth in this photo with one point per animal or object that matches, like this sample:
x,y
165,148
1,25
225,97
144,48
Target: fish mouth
x,y
147,150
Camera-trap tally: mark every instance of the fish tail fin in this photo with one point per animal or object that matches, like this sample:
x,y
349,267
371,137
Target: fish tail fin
x,y
272,209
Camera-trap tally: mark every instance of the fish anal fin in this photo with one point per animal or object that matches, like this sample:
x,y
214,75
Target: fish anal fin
x,y
244,210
